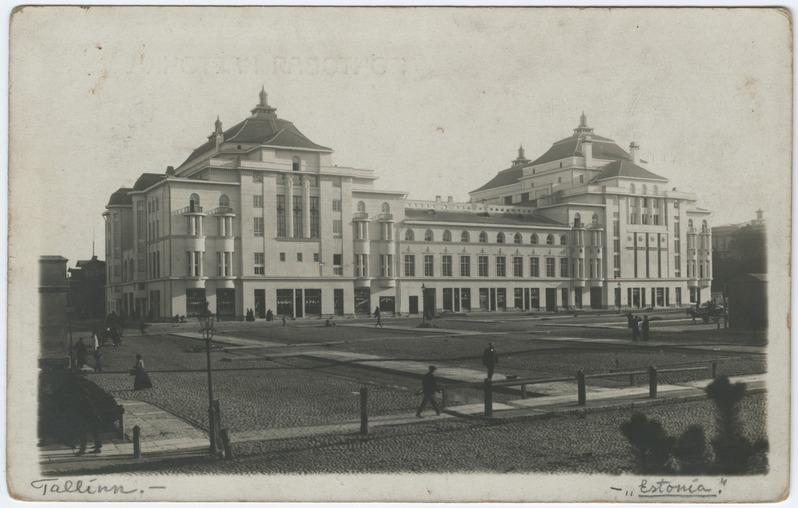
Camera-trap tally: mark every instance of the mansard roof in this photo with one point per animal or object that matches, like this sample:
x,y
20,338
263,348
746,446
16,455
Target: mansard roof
x,y
121,198
488,218
262,128
626,169
147,180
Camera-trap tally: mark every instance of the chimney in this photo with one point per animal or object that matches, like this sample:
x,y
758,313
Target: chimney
x,y
449,199
633,147
587,151
170,170
437,199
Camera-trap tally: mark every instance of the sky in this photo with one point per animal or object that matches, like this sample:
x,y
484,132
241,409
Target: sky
x,y
435,101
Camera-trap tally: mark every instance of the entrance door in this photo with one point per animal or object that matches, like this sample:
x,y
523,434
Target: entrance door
x,y
457,299
595,297
492,298
338,302
260,303
226,303
413,305
484,303
448,303
551,299
636,297
387,304
429,302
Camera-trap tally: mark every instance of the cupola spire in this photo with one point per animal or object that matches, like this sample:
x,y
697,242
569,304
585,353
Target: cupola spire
x,y
218,125
583,128
264,97
521,159
263,104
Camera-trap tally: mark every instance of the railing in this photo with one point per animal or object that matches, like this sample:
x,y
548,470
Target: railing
x,y
385,216
488,385
221,210
360,215
188,209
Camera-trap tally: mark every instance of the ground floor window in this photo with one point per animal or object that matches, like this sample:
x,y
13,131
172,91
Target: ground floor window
x,y
564,298
285,302
484,299
501,298
692,295
678,296
260,302
195,301
387,304
578,298
226,303
313,302
518,294
363,301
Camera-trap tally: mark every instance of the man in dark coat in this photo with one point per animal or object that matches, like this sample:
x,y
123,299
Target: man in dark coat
x,y
429,386
645,328
80,352
490,359
635,329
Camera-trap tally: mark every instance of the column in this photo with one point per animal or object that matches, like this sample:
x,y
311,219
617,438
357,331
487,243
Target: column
x,y
305,207
289,206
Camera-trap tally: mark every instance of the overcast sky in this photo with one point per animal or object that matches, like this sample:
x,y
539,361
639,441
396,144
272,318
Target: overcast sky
x,y
436,101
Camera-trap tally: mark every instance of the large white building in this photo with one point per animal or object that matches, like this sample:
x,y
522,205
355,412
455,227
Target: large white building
x,y
259,217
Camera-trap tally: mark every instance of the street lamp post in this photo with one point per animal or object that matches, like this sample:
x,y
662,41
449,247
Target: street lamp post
x,y
423,305
619,297
206,329
70,309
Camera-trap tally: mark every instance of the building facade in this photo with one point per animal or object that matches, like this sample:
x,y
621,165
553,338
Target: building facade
x,y
259,218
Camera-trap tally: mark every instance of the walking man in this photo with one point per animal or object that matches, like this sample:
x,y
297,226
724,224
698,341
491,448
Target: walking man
x,y
429,386
645,328
377,315
490,359
80,351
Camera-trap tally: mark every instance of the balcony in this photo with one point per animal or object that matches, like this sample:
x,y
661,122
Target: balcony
x,y
385,216
196,210
222,210
360,216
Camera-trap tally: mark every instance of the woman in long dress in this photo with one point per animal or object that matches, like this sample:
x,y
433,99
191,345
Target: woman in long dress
x,y
142,379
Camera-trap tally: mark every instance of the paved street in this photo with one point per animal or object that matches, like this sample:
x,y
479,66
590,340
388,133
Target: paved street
x,y
306,378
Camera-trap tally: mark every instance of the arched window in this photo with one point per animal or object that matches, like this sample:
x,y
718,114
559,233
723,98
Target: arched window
x,y
224,200
361,207
595,218
447,236
632,188
704,227
483,237
534,239
550,240
517,238
563,240
690,223
385,208
193,202
500,238
296,163
409,235
577,220
645,189
428,236
464,237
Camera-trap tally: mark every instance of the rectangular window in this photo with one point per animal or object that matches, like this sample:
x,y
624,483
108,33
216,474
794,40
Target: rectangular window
x,y
429,270
358,266
315,257
655,219
219,265
644,218
297,210
299,256
482,262
314,217
534,267
281,224
550,267
645,202
465,266
337,228
228,264
446,266
282,256
518,266
656,202
410,265
257,177
336,205
386,231
677,265
633,218
564,267
338,261
386,265
259,262
501,266
258,226
257,201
